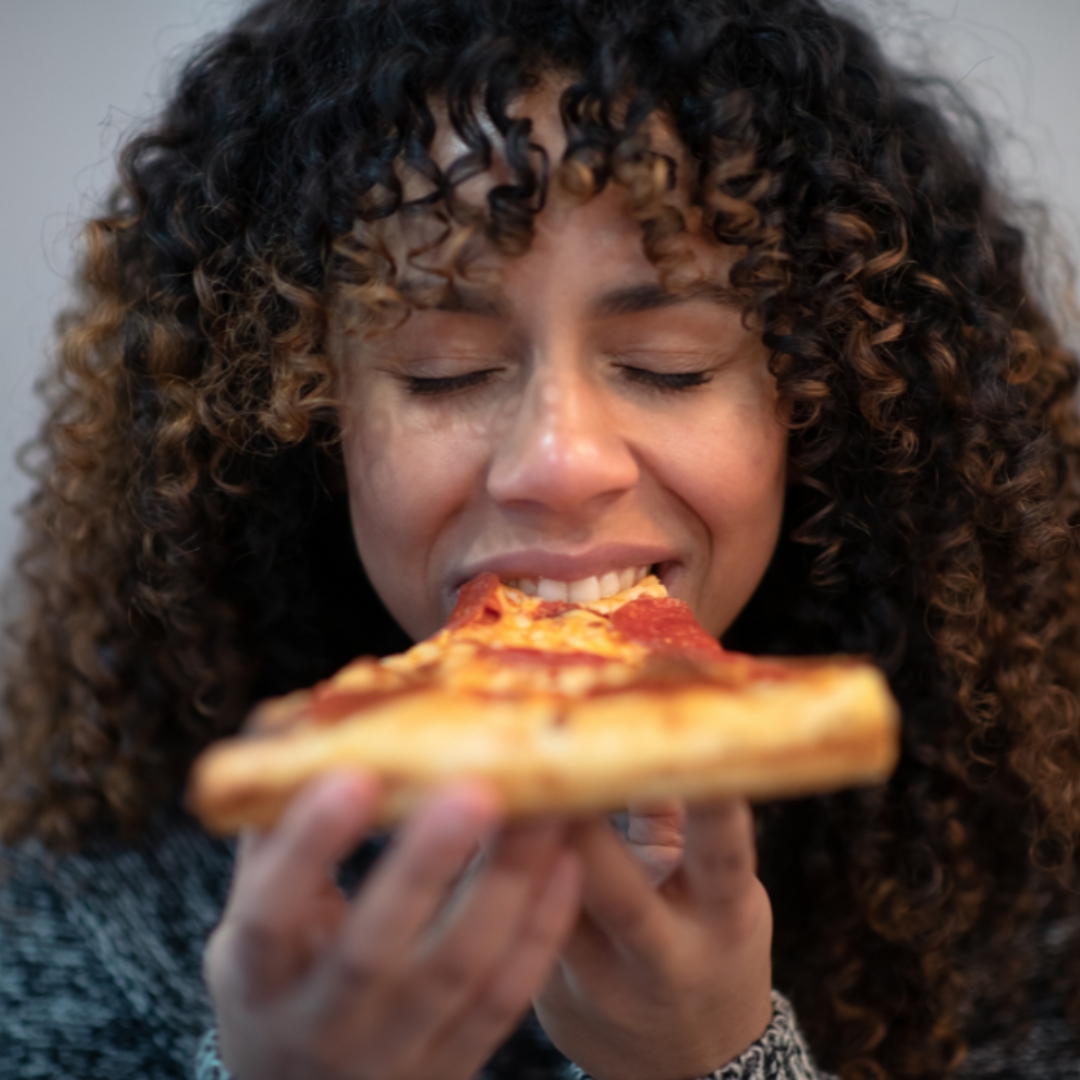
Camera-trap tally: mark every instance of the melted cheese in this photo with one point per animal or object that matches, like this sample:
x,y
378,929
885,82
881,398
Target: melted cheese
x,y
466,657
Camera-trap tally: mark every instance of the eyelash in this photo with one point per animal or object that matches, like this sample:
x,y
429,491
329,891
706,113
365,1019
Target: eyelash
x,y
671,382
447,384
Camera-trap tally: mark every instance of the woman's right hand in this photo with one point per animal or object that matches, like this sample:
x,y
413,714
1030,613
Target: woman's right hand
x,y
422,974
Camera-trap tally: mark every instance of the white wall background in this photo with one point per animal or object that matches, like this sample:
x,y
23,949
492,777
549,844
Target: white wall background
x,y
74,74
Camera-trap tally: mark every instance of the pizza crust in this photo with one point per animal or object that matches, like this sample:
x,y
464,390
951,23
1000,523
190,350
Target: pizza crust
x,y
560,713
592,755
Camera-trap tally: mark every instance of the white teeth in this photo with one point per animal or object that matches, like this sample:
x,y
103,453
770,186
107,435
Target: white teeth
x,y
547,589
584,591
525,585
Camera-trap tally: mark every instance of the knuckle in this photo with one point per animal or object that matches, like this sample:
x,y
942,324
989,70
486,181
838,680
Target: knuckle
x,y
242,961
237,947
450,973
250,941
359,974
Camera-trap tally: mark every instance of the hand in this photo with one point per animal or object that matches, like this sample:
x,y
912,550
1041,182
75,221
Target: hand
x,y
667,973
419,977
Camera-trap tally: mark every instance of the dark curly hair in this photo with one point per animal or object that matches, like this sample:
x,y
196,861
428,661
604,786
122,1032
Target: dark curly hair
x,y
188,548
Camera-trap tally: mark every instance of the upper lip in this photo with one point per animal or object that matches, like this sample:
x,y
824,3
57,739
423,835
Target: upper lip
x,y
566,566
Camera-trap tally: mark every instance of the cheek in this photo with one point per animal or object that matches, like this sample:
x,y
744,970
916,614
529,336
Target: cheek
x,y
732,467
385,482
733,479
740,493
407,482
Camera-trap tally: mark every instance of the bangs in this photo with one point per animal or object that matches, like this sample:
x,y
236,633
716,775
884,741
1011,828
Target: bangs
x,y
466,175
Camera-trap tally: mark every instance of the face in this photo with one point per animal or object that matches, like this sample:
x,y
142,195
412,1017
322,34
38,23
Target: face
x,y
569,430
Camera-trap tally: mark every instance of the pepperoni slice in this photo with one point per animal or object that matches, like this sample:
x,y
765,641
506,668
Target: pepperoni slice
x,y
665,625
476,602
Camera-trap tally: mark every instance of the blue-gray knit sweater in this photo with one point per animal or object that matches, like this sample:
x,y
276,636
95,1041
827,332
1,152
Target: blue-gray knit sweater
x,y
100,976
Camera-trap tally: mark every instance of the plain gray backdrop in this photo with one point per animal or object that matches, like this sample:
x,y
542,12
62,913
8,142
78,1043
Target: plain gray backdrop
x,y
75,74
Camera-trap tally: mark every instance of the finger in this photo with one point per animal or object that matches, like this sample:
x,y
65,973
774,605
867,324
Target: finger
x,y
655,837
719,861
280,871
616,894
467,1042
657,824
278,895
502,872
407,888
463,948
473,939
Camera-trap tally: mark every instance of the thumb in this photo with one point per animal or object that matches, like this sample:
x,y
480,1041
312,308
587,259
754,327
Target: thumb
x,y
655,834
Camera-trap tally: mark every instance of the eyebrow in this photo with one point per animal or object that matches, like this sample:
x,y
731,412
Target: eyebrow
x,y
629,300
474,302
634,299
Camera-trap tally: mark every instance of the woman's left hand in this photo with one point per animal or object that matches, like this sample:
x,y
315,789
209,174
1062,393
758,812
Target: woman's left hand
x,y
667,974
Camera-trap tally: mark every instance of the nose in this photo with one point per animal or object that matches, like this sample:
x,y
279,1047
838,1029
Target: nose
x,y
561,451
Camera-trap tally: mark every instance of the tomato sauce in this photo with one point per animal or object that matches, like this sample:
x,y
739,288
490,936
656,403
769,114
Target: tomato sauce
x,y
667,626
540,657
476,602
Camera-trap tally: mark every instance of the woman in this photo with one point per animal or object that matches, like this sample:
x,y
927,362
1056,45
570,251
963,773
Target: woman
x,y
553,289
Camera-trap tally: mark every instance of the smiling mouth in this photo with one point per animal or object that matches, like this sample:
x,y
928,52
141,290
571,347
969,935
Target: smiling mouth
x,y
584,590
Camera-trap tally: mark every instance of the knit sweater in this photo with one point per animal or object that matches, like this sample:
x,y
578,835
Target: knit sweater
x,y
101,956
100,977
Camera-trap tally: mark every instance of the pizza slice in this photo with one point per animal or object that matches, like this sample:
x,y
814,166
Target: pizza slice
x,y
568,707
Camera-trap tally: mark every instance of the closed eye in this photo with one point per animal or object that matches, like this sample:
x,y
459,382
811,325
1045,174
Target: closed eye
x,y
446,384
665,380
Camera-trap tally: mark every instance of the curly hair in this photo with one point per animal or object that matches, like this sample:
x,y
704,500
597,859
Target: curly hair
x,y
188,547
